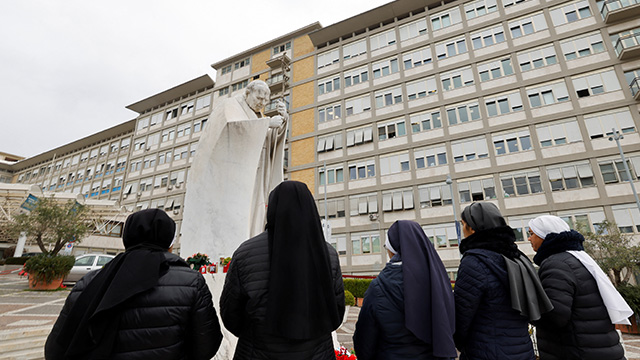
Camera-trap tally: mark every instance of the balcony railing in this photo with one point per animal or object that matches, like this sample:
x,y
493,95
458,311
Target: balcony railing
x,y
628,46
271,110
616,10
635,88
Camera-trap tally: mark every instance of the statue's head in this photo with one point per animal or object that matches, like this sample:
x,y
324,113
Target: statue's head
x,y
257,95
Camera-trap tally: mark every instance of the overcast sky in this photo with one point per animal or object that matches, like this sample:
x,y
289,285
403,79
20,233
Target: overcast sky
x,y
68,68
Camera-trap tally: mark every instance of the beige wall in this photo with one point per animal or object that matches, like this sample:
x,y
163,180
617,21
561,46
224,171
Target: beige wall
x,y
302,95
302,122
302,46
302,152
306,176
259,61
303,69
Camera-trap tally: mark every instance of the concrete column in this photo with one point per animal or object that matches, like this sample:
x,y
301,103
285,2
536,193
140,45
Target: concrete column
x,y
22,240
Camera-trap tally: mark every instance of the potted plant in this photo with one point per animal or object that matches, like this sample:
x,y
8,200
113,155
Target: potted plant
x,y
46,271
225,264
198,260
52,223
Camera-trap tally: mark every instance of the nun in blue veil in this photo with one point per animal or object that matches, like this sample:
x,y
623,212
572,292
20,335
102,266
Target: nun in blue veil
x,y
408,310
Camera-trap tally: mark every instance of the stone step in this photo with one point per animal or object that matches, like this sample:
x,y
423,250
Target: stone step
x,y
31,343
23,333
27,354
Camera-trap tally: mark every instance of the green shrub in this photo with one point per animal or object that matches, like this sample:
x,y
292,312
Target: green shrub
x,y
631,295
45,268
17,260
349,299
357,287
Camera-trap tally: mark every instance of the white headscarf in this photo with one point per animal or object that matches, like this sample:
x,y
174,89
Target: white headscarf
x,y
547,224
618,309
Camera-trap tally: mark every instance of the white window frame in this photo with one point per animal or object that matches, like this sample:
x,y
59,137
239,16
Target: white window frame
x,y
477,189
397,200
333,173
513,102
512,141
329,110
356,76
329,84
417,57
391,129
328,58
488,37
430,156
580,174
451,47
394,163
422,87
388,97
464,74
560,15
359,136
357,105
469,149
558,133
383,39
425,121
446,18
582,46
368,167
385,67
595,83
536,58
479,8
521,183
600,124
413,29
495,69
527,25
463,112
354,49
548,94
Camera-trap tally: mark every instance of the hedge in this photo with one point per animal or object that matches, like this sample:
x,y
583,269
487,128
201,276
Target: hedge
x,y
17,260
357,287
631,295
349,299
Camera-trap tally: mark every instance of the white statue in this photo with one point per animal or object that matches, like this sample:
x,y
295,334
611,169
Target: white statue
x,y
239,161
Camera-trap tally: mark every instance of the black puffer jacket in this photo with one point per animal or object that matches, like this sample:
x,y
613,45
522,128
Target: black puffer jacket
x,y
486,326
243,305
174,320
380,331
579,326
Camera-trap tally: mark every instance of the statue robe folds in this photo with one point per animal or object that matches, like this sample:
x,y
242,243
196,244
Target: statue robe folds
x,y
238,162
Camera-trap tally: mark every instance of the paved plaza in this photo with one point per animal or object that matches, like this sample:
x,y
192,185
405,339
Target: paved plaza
x,y
26,318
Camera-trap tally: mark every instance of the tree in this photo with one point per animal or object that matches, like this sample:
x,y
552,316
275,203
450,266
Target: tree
x,y
54,223
614,251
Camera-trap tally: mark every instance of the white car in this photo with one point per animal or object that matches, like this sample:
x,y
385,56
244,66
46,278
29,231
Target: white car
x,y
86,263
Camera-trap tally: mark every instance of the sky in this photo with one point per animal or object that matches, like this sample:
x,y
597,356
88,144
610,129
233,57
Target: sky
x,y
68,68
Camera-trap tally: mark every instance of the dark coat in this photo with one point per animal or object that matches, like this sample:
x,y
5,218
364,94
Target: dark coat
x,y
486,325
380,332
174,320
579,326
243,305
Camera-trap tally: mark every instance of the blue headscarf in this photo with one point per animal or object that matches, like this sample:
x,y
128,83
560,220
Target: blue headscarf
x,y
428,298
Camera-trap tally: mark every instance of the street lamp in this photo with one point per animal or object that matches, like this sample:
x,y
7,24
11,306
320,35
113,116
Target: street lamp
x,y
617,136
455,212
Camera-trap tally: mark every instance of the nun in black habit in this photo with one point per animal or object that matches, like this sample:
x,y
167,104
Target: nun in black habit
x,y
408,310
283,294
146,303
497,290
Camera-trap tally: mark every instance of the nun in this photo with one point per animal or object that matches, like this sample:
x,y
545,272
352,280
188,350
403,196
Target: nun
x,y
283,294
408,310
497,291
146,303
586,304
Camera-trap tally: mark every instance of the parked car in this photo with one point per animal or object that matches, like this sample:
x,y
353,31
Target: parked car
x,y
85,263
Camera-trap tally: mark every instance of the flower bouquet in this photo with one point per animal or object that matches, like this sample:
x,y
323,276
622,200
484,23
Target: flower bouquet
x,y
198,260
344,354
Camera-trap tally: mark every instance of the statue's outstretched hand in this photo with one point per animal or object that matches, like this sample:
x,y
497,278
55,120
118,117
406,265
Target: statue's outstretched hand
x,y
276,121
282,110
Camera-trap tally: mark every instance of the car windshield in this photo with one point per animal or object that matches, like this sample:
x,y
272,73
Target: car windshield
x,y
84,261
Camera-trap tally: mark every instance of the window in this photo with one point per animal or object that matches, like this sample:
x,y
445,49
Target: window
x,y
171,114
359,136
226,70
413,29
633,80
521,183
192,149
153,139
421,88
479,8
181,152
625,40
425,121
155,119
547,94
430,156
242,63
627,217
186,108
165,157
487,37
476,190
363,204
177,177
146,184
613,171
240,85
584,219
334,208
354,49
92,156
456,78
570,176
601,124
160,181
394,163
558,133
445,19
495,69
596,83
385,67
330,142
508,3
512,142
184,130
358,105
417,58
143,123
434,195
223,91
135,166
537,58
328,85
328,58
356,76
121,164
281,48
138,144
331,175
502,104
84,156
339,242
461,113
382,40
392,129
199,125
329,112
452,47
388,97
362,169
203,102
469,149
442,235
581,46
527,25
365,244
570,13
397,200
520,225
